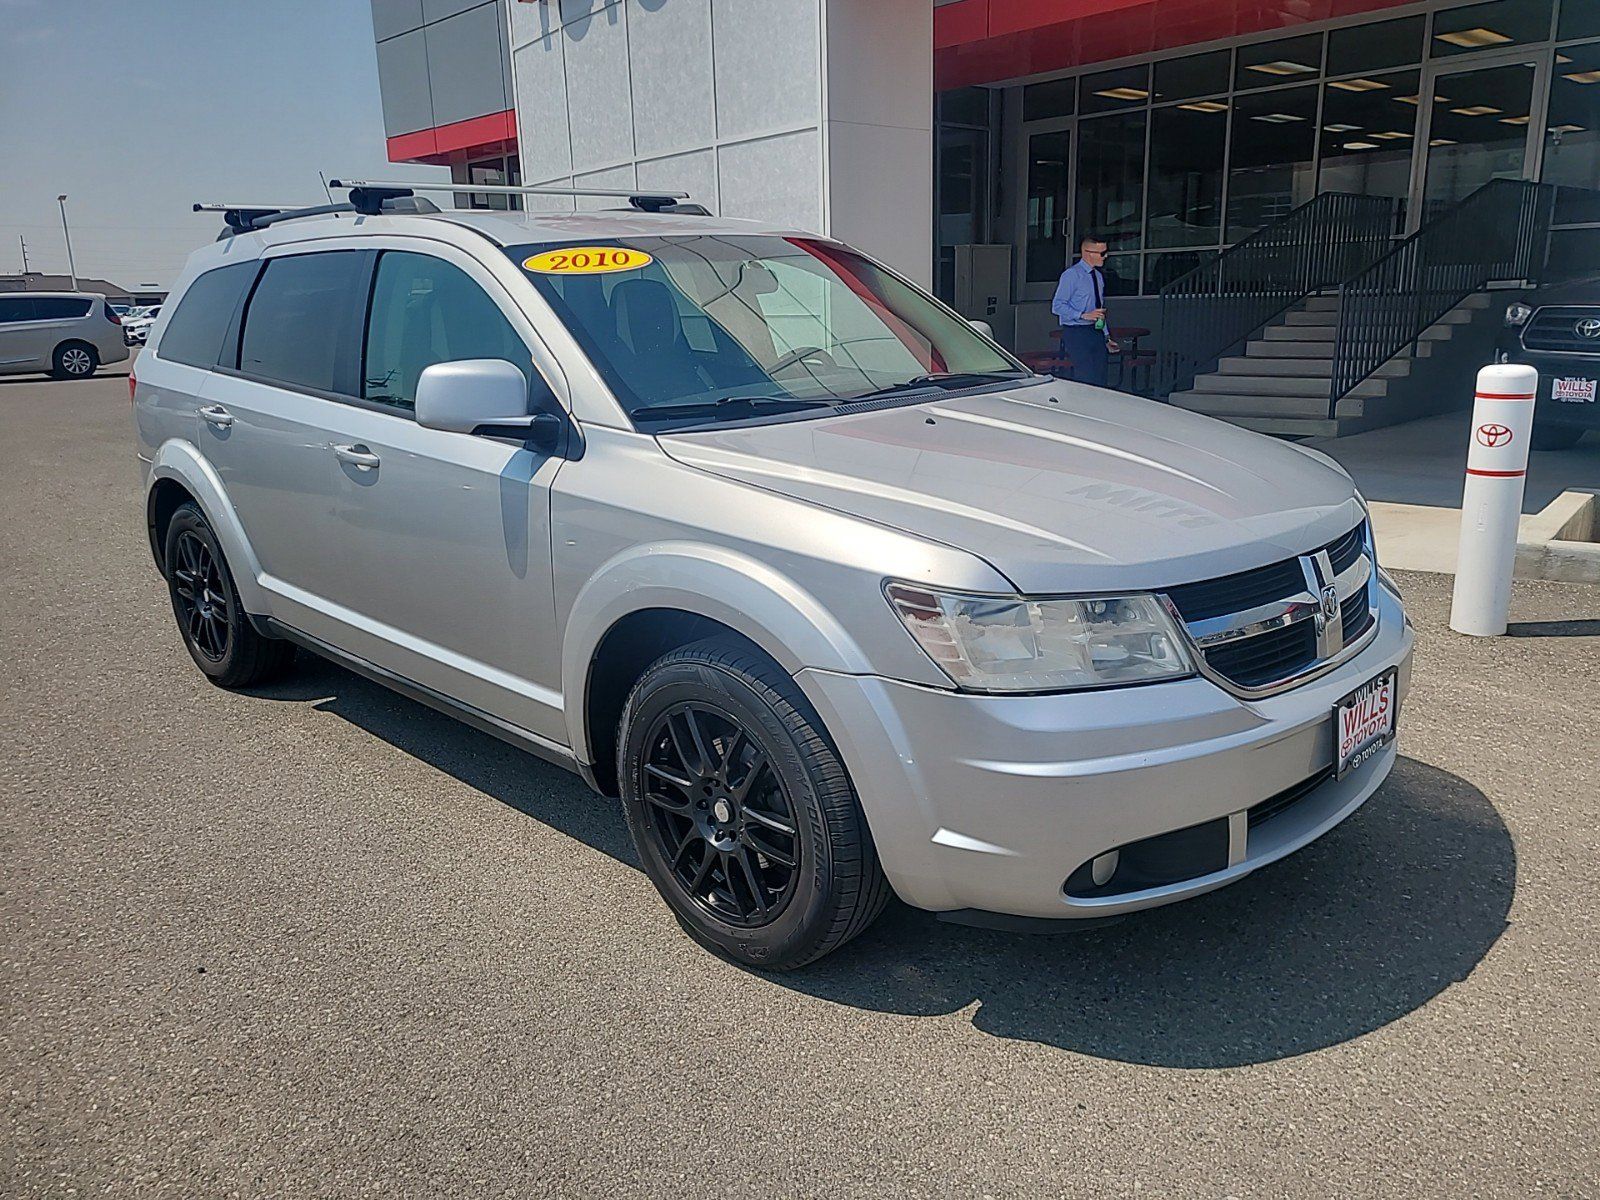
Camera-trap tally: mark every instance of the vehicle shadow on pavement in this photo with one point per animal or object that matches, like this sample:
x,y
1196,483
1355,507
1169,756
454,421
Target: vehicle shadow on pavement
x,y
1354,932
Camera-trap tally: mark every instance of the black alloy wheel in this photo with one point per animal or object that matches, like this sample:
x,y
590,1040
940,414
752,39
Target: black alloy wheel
x,y
720,815
201,597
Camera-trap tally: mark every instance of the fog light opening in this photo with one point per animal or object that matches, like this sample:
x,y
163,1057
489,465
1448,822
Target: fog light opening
x,y
1104,867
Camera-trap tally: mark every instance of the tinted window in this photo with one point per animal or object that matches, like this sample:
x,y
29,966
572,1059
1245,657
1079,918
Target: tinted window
x,y
197,329
301,326
1197,75
1372,47
425,311
15,308
1282,61
59,308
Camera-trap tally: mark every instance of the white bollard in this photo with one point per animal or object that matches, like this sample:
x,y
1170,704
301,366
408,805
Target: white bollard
x,y
1491,506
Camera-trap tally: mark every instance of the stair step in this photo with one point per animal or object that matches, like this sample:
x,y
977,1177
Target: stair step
x,y
1318,316
1295,427
1300,333
1277,349
1321,304
1281,386
1229,406
1310,368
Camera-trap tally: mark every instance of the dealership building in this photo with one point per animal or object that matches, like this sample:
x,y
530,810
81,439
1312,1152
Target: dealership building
x,y
1309,203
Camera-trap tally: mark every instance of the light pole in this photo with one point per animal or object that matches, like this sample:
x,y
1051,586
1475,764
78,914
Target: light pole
x,y
67,233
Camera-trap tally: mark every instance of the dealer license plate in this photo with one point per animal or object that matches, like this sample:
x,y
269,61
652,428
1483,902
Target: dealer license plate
x,y
1363,722
1573,391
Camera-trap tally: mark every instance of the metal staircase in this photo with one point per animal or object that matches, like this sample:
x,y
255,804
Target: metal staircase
x,y
1370,347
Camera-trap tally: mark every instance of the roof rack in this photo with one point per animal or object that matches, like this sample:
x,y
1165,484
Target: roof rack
x,y
242,218
366,191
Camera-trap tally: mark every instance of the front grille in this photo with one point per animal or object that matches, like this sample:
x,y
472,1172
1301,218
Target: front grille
x,y
1236,593
1267,657
1556,330
1275,655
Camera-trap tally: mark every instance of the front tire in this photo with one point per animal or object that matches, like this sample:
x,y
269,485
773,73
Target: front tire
x,y
74,360
741,811
216,631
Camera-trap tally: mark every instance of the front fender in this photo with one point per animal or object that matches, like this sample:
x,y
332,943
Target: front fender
x,y
772,610
180,462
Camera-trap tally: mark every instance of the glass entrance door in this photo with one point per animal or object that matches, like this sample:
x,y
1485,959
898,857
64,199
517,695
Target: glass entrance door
x,y
1047,205
1480,126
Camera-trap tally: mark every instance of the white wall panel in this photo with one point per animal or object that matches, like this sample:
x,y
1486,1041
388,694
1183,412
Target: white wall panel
x,y
544,139
695,173
767,55
669,47
599,106
774,179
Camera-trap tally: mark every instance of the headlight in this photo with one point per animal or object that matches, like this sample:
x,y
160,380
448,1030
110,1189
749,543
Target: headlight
x,y
1017,644
1518,314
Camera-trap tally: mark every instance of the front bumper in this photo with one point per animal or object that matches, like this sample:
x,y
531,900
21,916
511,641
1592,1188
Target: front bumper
x,y
1551,366
991,803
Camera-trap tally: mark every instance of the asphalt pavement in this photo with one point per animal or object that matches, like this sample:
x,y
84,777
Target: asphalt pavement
x,y
321,941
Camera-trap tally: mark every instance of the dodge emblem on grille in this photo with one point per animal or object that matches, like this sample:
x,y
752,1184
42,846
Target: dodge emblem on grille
x,y
1330,603
1589,327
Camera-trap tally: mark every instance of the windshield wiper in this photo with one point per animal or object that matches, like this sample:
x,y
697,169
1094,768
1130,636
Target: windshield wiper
x,y
942,379
727,407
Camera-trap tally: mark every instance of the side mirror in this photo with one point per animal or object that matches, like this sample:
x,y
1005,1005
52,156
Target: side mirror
x,y
487,396
983,328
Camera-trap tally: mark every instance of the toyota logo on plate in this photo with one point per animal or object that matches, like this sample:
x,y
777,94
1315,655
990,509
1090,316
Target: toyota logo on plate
x,y
1589,327
1493,435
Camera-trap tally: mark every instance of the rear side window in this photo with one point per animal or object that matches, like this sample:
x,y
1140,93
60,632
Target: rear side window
x,y
425,311
199,326
302,324
60,308
16,308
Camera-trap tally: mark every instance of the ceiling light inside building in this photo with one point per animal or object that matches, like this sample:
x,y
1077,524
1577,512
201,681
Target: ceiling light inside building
x,y
1583,77
1206,106
1442,142
1358,85
1472,39
1477,110
1341,128
1513,120
1123,93
1418,99
1361,145
1391,135
1567,128
1283,66
1277,118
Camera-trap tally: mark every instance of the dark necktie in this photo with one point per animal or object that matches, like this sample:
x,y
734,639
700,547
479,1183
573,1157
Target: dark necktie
x,y
1099,299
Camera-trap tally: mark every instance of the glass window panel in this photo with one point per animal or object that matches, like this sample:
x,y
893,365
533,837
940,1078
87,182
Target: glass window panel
x,y
1490,26
1369,135
1126,87
1274,137
1574,254
303,323
425,311
1375,47
1053,98
1480,133
1188,143
1196,75
1162,269
965,106
1049,162
1572,134
1121,274
1287,60
1579,18
196,331
1111,180
963,155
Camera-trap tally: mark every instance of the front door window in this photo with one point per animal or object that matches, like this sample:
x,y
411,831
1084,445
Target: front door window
x,y
1478,132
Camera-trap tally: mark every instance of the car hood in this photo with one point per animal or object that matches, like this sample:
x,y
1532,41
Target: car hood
x,y
1059,486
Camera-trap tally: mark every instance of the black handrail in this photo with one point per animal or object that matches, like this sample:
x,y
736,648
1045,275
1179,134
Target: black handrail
x,y
1501,231
1228,297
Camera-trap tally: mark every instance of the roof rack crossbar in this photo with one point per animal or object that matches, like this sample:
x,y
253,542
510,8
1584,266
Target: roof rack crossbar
x,y
242,218
645,201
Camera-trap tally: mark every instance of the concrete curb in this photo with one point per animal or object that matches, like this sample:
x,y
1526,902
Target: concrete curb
x,y
1557,543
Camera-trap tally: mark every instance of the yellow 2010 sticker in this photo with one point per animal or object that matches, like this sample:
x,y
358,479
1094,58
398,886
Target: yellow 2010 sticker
x,y
586,260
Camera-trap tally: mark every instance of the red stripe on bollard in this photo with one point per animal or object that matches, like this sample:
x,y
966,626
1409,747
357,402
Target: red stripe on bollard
x,y
1495,474
1505,395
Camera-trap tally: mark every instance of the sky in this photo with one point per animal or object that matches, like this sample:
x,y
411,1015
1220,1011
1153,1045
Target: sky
x,y
136,110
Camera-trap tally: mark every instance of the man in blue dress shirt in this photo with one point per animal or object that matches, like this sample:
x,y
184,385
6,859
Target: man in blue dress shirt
x,y
1080,306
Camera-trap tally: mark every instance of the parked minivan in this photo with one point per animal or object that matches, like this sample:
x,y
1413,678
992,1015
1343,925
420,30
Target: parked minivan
x,y
745,528
68,334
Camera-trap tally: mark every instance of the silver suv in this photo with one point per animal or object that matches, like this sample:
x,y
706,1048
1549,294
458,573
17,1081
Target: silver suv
x,y
743,527
68,334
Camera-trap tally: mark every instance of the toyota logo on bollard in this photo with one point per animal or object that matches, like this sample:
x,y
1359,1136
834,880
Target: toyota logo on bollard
x,y
1493,435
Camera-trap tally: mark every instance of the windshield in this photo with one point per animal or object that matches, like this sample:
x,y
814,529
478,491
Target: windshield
x,y
690,330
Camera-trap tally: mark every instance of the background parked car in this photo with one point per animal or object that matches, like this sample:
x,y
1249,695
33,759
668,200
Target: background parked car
x,y
1557,330
136,325
68,334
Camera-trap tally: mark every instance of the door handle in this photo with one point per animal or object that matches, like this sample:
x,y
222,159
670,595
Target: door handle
x,y
215,414
357,456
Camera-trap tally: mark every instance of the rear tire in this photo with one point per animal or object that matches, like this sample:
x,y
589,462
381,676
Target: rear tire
x,y
74,360
741,810
1554,437
216,631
